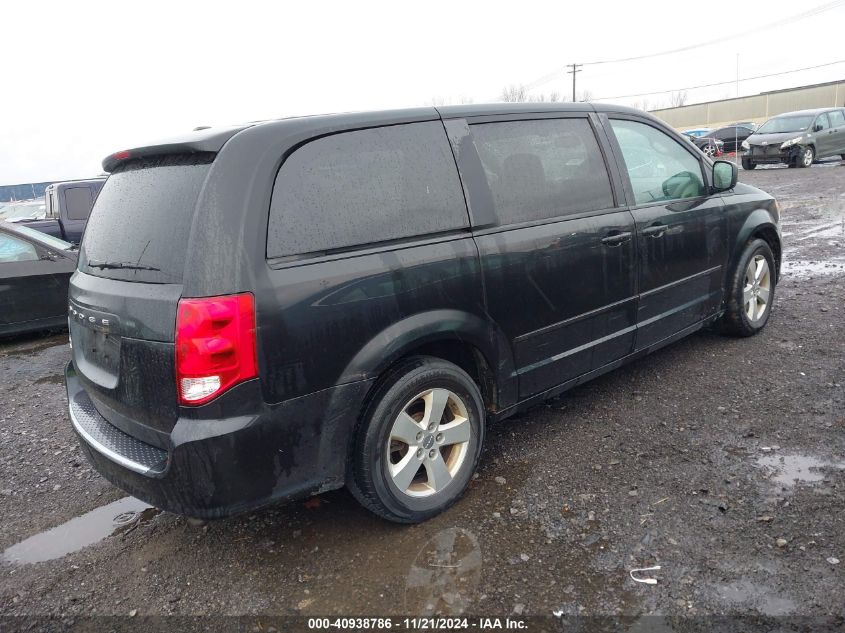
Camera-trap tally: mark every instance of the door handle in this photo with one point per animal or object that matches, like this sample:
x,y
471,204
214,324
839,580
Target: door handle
x,y
655,230
616,239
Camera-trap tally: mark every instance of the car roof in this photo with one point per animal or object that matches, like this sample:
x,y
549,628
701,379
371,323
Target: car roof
x,y
806,112
212,139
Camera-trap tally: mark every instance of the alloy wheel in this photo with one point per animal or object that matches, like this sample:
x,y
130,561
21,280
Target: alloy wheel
x,y
807,157
428,443
757,289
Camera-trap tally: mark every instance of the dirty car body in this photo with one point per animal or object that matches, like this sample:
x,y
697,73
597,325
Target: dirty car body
x,y
528,296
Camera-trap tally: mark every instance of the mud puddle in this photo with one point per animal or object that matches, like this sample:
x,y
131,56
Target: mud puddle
x,y
743,593
56,379
90,528
791,470
31,347
811,268
444,576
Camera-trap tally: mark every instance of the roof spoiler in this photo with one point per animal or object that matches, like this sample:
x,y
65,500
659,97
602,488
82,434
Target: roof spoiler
x,y
205,140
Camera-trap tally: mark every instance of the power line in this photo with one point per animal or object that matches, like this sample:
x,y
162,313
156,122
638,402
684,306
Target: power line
x,y
720,83
771,25
788,20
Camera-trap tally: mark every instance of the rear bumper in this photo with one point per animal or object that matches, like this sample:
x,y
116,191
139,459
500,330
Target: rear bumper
x,y
219,467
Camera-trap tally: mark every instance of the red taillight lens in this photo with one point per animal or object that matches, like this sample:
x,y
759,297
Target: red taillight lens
x,y
215,346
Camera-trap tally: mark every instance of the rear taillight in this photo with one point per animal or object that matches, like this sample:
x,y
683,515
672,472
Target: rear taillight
x,y
215,346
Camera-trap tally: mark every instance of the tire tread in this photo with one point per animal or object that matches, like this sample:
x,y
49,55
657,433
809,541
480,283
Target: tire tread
x,y
733,321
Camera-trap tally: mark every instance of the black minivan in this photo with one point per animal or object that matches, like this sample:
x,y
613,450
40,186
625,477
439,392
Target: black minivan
x,y
270,311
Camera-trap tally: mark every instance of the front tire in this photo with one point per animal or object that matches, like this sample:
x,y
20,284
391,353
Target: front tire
x,y
747,163
806,156
419,441
751,291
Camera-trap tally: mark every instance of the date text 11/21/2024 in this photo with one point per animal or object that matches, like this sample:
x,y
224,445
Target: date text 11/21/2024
x,y
418,624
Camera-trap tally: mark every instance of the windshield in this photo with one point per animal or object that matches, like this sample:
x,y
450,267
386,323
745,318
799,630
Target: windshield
x,y
48,240
783,124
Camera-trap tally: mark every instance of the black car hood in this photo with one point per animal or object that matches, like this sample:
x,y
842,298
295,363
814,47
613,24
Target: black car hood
x,y
772,139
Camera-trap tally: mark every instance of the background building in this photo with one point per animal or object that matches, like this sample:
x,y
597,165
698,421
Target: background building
x,y
26,191
757,108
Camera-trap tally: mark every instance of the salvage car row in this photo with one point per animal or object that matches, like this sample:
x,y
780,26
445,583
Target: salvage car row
x,y
796,139
38,251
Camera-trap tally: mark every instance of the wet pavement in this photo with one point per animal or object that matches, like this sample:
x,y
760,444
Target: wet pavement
x,y
720,460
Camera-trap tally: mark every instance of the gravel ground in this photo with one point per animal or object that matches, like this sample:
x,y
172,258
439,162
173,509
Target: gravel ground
x,y
721,460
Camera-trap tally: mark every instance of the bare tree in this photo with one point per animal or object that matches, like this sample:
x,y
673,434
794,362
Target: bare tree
x,y
678,99
586,95
514,93
519,94
642,104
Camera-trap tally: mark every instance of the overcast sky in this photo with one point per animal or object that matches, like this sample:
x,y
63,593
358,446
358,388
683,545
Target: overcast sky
x,y
84,79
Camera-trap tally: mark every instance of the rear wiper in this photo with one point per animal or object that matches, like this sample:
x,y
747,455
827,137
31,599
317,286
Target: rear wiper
x,y
94,263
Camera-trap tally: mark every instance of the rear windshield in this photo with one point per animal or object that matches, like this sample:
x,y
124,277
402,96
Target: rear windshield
x,y
141,221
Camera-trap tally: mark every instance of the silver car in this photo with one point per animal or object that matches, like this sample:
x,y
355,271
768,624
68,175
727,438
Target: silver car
x,y
796,138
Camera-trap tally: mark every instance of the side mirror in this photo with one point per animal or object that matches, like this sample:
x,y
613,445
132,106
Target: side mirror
x,y
817,127
725,175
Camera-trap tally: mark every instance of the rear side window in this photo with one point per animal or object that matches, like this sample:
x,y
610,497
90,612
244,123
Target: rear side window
x,y
542,169
659,167
140,225
78,201
363,187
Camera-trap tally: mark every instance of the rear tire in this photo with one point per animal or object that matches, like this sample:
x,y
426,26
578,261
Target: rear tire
x,y
418,442
747,163
751,291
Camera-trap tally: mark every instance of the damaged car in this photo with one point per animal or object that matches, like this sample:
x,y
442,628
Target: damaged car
x,y
796,139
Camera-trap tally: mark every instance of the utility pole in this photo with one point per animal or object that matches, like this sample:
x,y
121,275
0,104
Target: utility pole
x,y
572,72
736,129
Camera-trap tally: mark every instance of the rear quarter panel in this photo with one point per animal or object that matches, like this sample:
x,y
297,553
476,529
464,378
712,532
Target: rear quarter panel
x,y
344,320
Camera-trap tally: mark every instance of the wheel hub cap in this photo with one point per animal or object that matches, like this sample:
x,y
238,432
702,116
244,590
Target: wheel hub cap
x,y
428,443
757,289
